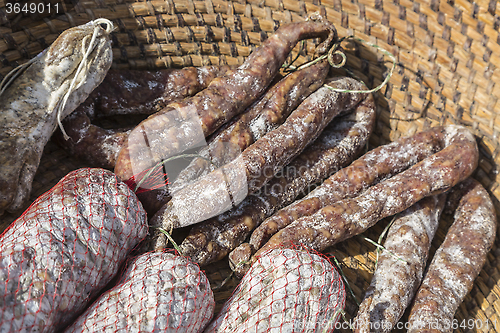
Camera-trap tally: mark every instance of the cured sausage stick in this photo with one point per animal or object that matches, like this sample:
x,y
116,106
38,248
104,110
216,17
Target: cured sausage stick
x,y
346,218
457,261
378,164
219,190
183,124
124,92
63,74
260,118
339,143
396,279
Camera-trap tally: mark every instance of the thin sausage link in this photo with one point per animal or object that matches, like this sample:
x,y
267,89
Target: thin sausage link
x,y
182,124
349,217
399,274
457,261
121,93
339,143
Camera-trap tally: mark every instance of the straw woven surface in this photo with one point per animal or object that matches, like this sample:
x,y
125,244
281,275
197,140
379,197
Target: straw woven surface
x,y
447,54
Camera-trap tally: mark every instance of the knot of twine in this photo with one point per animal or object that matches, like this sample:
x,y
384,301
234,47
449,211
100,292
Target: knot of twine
x,y
335,50
86,51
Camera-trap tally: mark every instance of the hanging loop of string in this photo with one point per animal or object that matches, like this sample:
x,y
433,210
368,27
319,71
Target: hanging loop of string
x,y
86,52
335,50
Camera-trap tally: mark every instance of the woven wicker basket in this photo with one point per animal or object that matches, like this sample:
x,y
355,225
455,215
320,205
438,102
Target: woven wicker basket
x,y
446,53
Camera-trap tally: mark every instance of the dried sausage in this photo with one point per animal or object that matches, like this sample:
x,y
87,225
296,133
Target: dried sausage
x,y
457,261
32,104
339,143
398,275
349,217
183,124
126,92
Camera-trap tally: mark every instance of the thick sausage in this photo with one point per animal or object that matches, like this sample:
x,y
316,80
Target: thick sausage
x,y
159,292
32,104
287,290
66,247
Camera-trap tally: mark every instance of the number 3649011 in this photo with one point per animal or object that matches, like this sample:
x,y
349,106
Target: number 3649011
x,y
32,8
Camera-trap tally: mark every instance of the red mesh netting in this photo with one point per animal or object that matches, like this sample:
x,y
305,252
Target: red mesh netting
x,y
159,292
285,290
64,248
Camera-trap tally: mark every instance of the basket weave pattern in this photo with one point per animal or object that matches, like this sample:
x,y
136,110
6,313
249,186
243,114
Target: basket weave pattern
x,y
447,54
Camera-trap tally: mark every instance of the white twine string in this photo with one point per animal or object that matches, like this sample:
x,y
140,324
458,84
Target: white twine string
x,y
83,63
13,74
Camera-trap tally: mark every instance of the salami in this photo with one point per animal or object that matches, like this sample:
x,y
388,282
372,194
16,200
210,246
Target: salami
x,y
219,190
159,292
55,83
125,92
339,143
182,125
396,279
457,261
260,118
65,248
351,216
287,290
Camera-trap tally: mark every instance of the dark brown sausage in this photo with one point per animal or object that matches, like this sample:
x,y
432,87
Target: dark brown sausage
x,y
349,217
262,117
184,124
396,280
217,191
121,93
378,164
95,145
339,143
126,92
457,261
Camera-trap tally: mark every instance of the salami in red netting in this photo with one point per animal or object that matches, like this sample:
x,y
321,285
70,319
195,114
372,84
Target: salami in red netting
x,y
285,290
159,292
65,248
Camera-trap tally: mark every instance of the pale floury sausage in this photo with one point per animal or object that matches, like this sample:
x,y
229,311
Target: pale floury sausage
x,y
30,107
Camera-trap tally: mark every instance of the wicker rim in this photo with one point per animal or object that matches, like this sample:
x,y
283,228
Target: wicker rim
x,y
446,73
